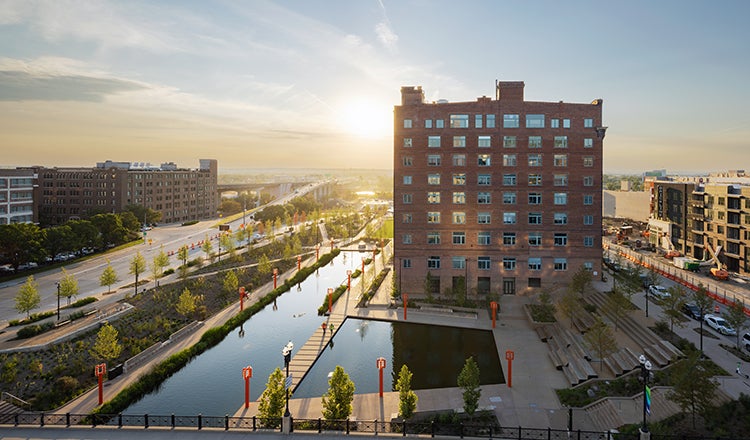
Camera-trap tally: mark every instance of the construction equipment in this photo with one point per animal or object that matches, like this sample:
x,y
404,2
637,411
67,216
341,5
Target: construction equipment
x,y
718,271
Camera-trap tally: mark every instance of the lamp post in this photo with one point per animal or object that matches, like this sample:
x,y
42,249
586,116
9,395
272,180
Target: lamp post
x,y
287,353
647,302
645,374
275,276
348,279
58,300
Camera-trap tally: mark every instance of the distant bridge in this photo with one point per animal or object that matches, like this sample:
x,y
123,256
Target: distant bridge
x,y
277,189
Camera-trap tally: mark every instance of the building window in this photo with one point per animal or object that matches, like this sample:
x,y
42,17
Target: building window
x,y
484,141
554,123
509,142
406,263
509,160
407,198
484,218
406,239
535,238
588,199
509,198
407,123
406,218
433,160
561,218
433,262
433,238
484,179
535,180
477,121
588,143
561,142
535,160
535,198
407,142
433,141
535,218
566,123
459,218
561,239
459,160
433,217
458,262
561,264
509,238
588,161
433,179
483,263
459,141
588,123
535,263
407,180
588,180
490,121
561,198
483,160
484,238
433,197
428,123
588,241
459,121
535,142
561,160
588,219
408,161
484,198
509,218
459,238
509,263
534,121
510,121
459,179
439,123
459,198
509,179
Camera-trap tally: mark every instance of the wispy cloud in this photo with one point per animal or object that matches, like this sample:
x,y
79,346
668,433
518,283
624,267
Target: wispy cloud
x,y
23,86
384,30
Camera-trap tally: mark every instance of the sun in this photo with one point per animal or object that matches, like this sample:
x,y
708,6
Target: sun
x,y
367,118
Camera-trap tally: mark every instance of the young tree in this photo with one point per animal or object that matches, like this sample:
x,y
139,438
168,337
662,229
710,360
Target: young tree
x,y
182,254
27,298
231,283
208,248
264,266
137,267
427,286
227,243
106,347
571,305
468,379
693,385
337,402
652,275
600,340
271,402
68,285
108,277
736,318
581,280
703,302
160,261
617,303
672,306
186,303
407,399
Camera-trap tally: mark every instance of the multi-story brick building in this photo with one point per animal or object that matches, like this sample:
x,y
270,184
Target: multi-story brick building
x,y
504,193
17,196
180,194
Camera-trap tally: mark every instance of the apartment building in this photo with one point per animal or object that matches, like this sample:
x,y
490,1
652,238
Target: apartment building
x,y
17,196
495,195
180,194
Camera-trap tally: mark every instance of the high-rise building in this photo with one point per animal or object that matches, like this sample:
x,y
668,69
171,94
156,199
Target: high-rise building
x,y
503,193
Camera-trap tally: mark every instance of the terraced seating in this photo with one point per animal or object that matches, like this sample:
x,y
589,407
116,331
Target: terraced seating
x,y
567,353
584,320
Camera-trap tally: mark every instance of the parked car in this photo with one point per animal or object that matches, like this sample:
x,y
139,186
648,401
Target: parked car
x,y
692,311
658,291
746,341
719,324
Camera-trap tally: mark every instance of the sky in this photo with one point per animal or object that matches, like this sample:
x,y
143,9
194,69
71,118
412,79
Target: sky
x,y
312,84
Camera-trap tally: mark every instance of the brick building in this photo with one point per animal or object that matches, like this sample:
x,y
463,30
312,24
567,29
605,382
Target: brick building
x,y
504,193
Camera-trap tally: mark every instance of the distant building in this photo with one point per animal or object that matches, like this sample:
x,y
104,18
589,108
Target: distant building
x,y
17,196
504,193
180,194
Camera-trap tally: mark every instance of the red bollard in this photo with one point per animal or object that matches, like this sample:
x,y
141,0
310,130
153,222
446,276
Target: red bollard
x,y
275,275
330,299
247,373
493,306
509,355
348,280
299,262
406,301
317,252
242,298
381,366
99,371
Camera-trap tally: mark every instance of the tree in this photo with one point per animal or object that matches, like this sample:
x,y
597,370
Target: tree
x,y
264,266
160,261
27,298
85,234
57,240
231,283
652,275
20,243
130,222
428,285
736,318
68,285
600,340
108,276
208,248
271,402
407,399
337,401
468,379
227,243
693,385
581,280
137,267
571,305
142,213
672,306
617,303
703,302
110,227
187,303
106,347
182,254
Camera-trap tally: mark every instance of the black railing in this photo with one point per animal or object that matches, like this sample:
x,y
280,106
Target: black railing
x,y
307,426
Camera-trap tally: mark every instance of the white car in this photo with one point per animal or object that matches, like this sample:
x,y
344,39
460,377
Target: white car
x,y
719,324
658,291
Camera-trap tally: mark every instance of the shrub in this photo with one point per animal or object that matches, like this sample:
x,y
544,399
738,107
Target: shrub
x,y
33,318
84,301
33,330
169,271
191,222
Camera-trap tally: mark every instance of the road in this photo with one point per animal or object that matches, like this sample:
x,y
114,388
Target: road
x,y
87,273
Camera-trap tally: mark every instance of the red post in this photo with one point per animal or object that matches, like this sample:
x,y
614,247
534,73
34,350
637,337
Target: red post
x,y
330,299
99,371
348,280
381,367
363,268
242,298
374,253
406,301
509,355
493,306
331,245
275,275
317,252
247,373
299,262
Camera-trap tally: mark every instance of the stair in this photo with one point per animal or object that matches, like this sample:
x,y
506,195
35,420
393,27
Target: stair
x,y
8,412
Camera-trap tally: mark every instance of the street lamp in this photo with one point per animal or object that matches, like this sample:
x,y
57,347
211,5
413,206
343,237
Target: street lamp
x,y
645,374
58,300
287,353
